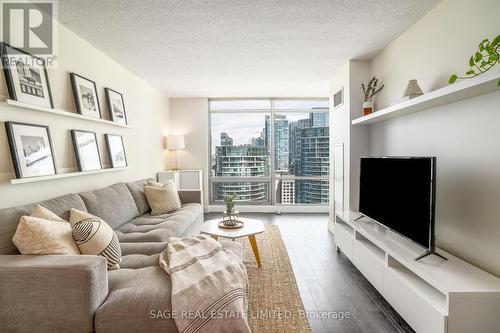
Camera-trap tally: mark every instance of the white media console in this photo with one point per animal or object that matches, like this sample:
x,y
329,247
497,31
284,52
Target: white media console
x,y
433,295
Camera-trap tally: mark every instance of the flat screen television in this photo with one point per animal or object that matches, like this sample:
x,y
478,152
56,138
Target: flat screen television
x,y
400,193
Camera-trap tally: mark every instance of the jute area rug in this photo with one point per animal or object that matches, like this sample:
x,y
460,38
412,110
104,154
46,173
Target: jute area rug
x,y
275,304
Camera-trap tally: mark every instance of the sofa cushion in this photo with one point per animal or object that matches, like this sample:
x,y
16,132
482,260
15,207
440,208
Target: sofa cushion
x,y
161,228
9,219
114,204
134,300
63,204
136,261
137,190
146,248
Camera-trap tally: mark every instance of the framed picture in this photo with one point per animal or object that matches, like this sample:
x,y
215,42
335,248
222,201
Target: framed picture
x,y
86,150
31,149
26,77
85,94
116,106
116,150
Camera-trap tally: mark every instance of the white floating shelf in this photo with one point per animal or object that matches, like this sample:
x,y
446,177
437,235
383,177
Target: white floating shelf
x,y
64,175
480,85
61,112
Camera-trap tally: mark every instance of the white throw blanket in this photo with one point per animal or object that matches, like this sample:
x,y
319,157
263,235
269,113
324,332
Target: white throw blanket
x,y
209,286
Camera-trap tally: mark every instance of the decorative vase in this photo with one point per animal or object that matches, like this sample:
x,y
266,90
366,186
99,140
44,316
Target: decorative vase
x,y
368,107
231,218
412,90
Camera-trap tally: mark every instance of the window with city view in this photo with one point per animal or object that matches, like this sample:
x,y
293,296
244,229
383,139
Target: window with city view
x,y
270,151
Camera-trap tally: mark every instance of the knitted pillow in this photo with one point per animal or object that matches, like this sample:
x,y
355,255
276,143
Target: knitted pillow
x,y
162,198
95,237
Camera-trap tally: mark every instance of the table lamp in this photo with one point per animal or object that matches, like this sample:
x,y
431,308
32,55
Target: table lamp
x,y
175,143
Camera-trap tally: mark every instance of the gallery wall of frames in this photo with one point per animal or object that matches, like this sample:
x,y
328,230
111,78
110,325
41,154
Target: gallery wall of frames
x,y
30,144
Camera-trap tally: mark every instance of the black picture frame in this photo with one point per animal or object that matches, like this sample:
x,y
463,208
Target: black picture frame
x,y
9,78
110,150
78,155
79,108
109,105
16,161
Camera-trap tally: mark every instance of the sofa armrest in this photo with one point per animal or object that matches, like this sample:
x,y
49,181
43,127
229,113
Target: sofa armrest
x,y
51,293
190,196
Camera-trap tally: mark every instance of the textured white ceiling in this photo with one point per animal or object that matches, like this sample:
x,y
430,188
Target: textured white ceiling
x,y
240,47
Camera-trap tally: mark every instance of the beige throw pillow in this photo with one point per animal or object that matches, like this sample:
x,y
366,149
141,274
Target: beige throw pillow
x,y
44,233
162,198
95,237
152,183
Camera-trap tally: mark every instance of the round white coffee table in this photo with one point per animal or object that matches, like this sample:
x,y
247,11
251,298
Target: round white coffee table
x,y
250,228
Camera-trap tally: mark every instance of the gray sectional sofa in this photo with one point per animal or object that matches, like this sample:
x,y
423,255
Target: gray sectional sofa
x,y
77,293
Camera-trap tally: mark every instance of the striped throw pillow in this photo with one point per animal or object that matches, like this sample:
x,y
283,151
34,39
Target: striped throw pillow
x,y
162,198
95,237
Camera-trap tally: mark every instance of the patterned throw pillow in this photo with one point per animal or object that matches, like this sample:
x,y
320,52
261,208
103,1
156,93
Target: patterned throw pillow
x,y
95,237
162,198
44,233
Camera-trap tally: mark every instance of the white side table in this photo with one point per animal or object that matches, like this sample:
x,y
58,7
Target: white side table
x,y
183,179
250,228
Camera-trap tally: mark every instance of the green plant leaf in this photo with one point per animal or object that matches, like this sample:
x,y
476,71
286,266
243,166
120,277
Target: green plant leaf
x,y
494,58
478,57
470,72
452,79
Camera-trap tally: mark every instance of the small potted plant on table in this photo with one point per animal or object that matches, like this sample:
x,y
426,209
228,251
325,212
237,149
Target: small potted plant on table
x,y
231,216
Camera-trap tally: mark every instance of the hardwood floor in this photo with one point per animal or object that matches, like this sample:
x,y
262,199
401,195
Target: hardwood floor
x,y
328,282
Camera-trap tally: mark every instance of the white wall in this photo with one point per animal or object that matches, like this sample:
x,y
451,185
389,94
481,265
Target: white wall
x,y
189,117
355,140
147,110
465,136
435,47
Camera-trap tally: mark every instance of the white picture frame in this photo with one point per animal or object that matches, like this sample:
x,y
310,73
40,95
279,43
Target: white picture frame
x,y
116,151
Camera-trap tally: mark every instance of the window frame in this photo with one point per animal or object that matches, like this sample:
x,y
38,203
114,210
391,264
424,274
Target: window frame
x,y
272,177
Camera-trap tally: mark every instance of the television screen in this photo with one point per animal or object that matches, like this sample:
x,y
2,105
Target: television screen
x,y
399,192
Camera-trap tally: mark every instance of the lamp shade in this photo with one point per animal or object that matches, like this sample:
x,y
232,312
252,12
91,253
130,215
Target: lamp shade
x,y
175,142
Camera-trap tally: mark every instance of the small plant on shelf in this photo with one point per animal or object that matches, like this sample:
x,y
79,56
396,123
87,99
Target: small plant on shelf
x,y
486,56
369,92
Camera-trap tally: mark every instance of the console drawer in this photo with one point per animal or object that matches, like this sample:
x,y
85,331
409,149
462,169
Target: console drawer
x,y
413,305
370,261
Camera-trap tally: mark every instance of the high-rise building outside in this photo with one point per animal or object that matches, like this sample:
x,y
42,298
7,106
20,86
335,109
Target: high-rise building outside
x,y
241,161
301,149
281,140
294,127
285,192
258,141
319,119
225,139
311,159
